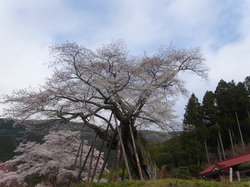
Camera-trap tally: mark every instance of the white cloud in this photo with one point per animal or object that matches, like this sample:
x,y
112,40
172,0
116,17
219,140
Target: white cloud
x,y
23,50
28,28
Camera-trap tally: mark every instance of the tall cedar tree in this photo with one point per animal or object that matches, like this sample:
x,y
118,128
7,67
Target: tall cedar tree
x,y
193,141
210,118
217,109
193,112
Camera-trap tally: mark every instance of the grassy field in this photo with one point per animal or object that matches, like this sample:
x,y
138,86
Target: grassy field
x,y
167,183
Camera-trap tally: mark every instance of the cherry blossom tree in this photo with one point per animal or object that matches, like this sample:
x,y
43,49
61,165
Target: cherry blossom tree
x,y
90,85
57,160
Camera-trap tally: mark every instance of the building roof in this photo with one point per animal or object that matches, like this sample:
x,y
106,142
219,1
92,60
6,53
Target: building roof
x,y
5,168
225,164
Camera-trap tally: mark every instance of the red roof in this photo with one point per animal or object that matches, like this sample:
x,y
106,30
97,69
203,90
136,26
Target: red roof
x,y
4,168
225,164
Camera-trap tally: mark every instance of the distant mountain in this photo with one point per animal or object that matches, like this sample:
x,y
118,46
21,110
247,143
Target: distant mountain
x,y
12,132
156,136
9,127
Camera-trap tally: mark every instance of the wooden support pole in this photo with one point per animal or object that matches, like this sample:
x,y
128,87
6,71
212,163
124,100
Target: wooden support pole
x,y
106,158
231,140
241,137
91,157
222,147
123,149
219,150
84,163
101,149
136,153
248,114
123,169
81,152
77,155
208,161
118,161
114,163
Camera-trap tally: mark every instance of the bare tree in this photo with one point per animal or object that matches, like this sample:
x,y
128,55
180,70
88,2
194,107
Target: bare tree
x,y
89,85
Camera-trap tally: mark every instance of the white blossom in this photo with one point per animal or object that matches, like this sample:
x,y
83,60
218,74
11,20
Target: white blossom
x,y
54,160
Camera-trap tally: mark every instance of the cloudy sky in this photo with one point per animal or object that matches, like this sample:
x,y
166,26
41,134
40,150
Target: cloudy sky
x,y
29,27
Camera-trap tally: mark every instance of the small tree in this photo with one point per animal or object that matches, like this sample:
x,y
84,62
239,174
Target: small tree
x,y
91,85
57,160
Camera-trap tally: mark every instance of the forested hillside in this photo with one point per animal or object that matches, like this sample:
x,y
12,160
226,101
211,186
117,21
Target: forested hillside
x,y
13,132
220,123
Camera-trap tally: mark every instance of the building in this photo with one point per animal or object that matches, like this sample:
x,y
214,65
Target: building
x,y
5,168
221,168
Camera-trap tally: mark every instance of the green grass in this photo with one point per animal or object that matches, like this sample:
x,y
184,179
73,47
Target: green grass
x,y
166,183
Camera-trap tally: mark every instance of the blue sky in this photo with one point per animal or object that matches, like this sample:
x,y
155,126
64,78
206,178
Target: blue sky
x,y
29,27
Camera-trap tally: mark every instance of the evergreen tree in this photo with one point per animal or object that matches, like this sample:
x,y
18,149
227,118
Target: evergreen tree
x,y
242,104
216,114
247,83
246,122
193,112
210,110
242,101
193,141
232,99
226,96
210,118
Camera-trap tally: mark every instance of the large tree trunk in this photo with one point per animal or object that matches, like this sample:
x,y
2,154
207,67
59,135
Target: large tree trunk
x,y
147,165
